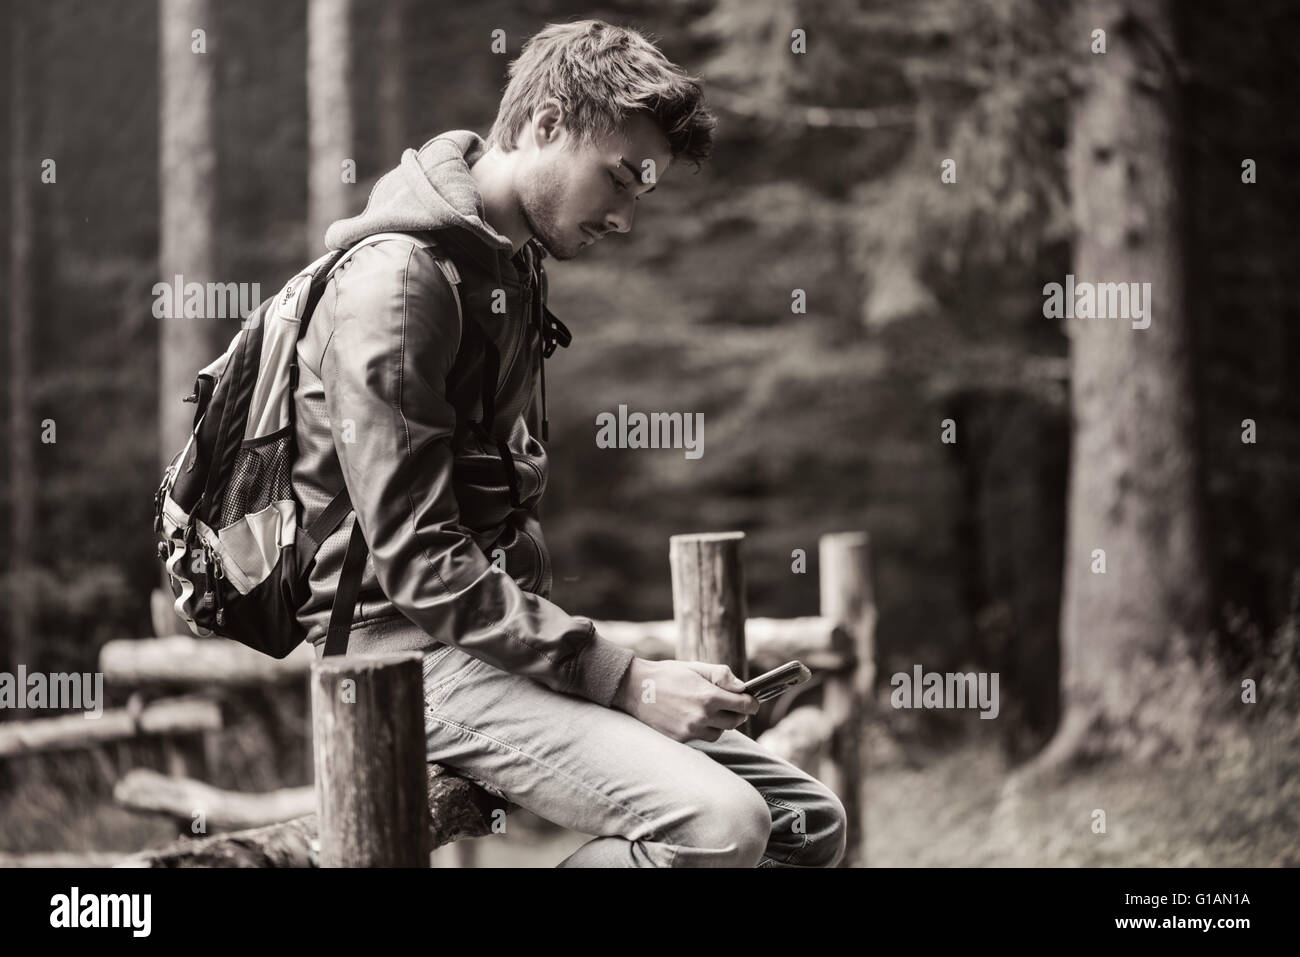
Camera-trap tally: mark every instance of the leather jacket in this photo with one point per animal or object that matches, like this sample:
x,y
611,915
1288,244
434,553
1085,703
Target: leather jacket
x,y
380,395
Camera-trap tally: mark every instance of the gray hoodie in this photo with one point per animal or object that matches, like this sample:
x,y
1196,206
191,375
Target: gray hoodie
x,y
429,189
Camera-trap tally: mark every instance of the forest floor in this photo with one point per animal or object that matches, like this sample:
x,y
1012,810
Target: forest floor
x,y
930,803
964,806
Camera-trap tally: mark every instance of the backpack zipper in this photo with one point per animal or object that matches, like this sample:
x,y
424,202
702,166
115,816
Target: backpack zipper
x,y
216,574
215,561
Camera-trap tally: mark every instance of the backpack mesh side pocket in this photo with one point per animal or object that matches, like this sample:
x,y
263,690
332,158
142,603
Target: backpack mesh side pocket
x,y
260,477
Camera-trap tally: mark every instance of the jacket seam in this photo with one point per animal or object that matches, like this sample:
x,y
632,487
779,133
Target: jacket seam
x,y
386,615
406,430
334,314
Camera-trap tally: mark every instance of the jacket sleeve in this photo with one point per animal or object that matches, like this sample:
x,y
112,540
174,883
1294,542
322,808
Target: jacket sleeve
x,y
384,369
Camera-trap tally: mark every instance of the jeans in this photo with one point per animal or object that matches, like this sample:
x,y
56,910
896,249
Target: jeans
x,y
648,800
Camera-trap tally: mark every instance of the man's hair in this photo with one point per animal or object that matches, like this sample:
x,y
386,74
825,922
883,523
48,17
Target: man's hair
x,y
601,75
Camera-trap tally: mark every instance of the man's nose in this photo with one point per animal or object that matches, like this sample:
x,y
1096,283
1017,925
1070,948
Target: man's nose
x,y
619,221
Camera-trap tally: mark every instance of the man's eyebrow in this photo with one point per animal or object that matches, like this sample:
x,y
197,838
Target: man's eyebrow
x,y
636,174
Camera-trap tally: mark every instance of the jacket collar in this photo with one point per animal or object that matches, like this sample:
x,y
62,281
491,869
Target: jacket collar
x,y
469,248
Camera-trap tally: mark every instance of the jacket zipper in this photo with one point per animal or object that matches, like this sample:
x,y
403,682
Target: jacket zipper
x,y
516,349
517,343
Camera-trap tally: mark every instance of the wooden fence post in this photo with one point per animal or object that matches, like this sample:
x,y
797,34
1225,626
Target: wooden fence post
x,y
709,600
844,561
369,739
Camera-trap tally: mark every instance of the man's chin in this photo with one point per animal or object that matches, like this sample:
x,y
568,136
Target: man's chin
x,y
559,245
560,251
540,228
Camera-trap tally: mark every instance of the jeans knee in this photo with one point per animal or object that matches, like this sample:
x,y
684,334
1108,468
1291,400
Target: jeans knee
x,y
734,827
827,831
810,828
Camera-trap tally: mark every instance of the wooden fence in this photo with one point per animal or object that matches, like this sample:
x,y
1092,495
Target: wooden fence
x,y
384,805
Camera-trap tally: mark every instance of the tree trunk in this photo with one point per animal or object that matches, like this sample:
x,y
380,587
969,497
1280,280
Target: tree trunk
x,y
329,117
1130,634
186,178
392,81
188,165
23,424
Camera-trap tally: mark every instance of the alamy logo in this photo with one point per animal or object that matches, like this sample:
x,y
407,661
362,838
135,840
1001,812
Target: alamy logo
x,y
1101,300
200,300
950,690
658,430
56,690
102,910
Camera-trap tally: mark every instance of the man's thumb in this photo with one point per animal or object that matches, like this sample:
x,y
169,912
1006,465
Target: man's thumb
x,y
726,679
720,675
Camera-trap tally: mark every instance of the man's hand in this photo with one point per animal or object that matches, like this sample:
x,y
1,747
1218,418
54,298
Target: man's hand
x,y
684,699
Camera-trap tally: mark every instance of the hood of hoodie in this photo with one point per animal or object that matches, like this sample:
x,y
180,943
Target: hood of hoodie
x,y
430,189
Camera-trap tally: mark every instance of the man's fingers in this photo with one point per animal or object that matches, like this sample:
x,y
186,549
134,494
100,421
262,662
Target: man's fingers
x,y
714,672
727,680
728,701
726,720
718,674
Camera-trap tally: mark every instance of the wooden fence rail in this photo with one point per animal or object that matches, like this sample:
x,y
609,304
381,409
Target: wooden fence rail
x,y
379,803
184,660
165,717
147,791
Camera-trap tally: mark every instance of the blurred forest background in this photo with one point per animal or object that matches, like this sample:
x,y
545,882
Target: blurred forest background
x,y
925,303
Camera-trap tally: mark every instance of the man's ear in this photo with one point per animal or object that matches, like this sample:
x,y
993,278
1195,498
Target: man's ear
x,y
548,123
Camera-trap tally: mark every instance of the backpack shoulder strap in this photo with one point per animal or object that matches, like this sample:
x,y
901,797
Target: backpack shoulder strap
x,y
345,594
446,265
325,267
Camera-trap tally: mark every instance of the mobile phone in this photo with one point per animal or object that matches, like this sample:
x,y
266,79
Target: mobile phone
x,y
778,681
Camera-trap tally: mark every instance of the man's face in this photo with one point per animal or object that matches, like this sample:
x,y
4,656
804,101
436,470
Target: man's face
x,y
573,193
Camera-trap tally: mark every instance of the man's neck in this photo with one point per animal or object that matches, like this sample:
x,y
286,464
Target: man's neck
x,y
492,176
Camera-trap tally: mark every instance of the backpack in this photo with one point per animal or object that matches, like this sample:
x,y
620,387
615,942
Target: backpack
x,y
236,556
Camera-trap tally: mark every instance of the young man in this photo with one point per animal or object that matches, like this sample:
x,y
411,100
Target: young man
x,y
521,696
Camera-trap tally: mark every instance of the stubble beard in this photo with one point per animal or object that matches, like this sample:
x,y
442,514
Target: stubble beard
x,y
539,206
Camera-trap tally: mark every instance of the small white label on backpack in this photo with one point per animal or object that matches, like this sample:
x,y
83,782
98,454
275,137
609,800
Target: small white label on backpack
x,y
292,299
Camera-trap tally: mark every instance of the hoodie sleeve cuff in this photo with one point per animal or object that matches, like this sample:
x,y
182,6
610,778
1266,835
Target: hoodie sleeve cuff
x,y
599,669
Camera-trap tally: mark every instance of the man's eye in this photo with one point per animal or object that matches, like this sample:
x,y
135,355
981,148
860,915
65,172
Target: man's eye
x,y
618,183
